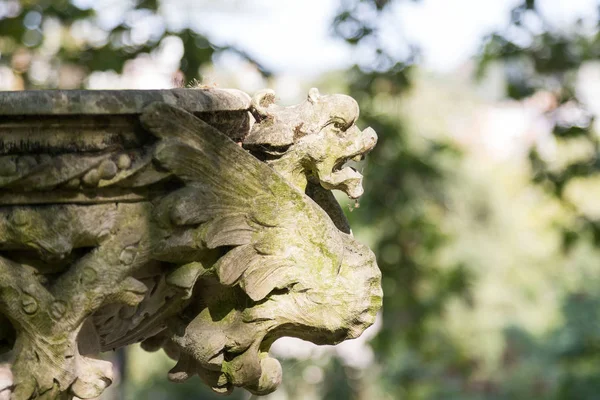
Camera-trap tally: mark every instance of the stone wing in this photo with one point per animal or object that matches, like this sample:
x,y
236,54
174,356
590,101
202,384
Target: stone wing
x,y
274,233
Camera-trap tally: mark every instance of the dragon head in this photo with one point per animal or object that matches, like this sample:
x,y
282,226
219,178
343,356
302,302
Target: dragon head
x,y
311,141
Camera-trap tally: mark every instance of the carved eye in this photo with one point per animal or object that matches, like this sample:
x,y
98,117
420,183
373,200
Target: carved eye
x,y
340,125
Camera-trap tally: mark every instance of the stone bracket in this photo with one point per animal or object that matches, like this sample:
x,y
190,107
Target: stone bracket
x,y
199,221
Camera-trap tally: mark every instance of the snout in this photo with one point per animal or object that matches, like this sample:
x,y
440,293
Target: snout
x,y
369,139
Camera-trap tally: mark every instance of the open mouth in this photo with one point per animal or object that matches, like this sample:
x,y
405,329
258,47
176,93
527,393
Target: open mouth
x,y
344,178
368,141
344,162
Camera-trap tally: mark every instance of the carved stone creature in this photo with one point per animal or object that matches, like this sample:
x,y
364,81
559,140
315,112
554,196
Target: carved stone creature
x,y
183,240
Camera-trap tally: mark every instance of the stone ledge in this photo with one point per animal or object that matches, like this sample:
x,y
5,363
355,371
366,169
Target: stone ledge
x,y
118,102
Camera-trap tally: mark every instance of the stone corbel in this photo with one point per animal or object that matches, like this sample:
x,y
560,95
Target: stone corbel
x,y
197,221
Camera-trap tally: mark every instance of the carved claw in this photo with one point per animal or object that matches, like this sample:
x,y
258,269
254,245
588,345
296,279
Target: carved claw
x,y
270,377
255,371
202,353
95,376
43,370
313,95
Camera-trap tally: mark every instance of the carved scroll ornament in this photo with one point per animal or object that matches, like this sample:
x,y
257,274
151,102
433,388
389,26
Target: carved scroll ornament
x,y
196,221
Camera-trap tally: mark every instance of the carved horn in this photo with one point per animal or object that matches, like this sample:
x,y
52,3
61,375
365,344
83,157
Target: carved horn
x,y
313,95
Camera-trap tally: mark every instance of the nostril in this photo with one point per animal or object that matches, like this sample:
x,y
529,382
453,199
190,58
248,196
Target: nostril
x,y
370,142
370,136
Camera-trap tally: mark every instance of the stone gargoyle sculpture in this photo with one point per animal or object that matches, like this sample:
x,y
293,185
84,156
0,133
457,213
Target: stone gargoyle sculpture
x,y
198,221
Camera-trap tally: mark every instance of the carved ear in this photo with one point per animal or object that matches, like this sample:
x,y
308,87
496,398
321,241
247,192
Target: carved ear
x,y
313,95
261,101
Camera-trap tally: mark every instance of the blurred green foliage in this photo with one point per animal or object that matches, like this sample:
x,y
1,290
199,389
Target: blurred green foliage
x,y
567,360
32,30
25,25
563,363
406,199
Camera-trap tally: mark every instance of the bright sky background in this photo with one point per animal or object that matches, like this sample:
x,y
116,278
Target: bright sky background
x,y
294,36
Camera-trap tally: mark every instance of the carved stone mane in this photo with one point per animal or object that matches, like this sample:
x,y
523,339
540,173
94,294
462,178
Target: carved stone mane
x,y
196,221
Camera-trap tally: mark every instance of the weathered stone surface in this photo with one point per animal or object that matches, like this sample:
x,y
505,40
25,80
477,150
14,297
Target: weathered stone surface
x,y
59,121
118,102
134,217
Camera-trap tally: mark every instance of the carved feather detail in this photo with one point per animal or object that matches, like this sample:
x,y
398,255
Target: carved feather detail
x,y
272,236
241,202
